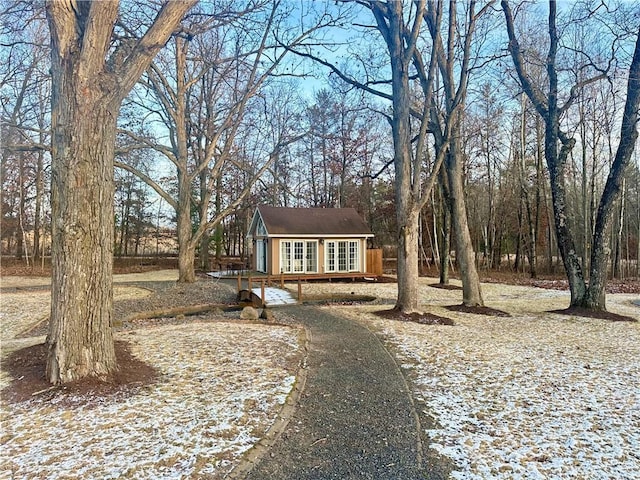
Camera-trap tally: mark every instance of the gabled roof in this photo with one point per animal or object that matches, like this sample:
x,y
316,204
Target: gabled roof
x,y
312,221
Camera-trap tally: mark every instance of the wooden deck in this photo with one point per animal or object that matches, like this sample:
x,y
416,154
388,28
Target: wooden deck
x,y
283,278
259,289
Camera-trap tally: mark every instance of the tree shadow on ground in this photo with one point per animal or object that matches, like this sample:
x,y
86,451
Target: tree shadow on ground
x,y
599,314
445,286
477,310
27,369
422,318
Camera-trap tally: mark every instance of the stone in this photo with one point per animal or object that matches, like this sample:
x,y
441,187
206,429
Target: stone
x,y
267,315
249,313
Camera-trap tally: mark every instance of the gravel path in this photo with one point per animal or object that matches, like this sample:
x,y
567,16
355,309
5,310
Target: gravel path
x,y
356,418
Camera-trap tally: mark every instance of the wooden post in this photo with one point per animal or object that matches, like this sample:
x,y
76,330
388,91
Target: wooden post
x,y
281,279
239,283
299,290
262,291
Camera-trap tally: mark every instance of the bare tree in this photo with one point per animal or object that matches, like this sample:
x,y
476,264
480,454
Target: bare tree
x,y
448,136
411,121
595,295
91,75
411,194
24,100
205,88
558,145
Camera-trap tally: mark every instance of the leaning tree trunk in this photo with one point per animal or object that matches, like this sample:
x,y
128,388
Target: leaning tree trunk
x,y
595,297
80,340
471,294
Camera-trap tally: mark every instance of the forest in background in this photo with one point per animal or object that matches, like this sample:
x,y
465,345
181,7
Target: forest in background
x,y
229,117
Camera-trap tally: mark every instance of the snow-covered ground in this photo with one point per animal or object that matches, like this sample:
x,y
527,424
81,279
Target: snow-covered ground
x,y
213,402
221,387
533,396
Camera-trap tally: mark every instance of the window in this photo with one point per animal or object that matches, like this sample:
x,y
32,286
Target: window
x,y
331,256
312,257
261,230
343,256
353,257
285,257
298,256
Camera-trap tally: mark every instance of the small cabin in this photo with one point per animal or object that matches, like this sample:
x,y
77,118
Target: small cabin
x,y
308,241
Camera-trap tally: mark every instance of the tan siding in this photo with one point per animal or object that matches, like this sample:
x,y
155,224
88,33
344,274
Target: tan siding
x,y
274,256
320,257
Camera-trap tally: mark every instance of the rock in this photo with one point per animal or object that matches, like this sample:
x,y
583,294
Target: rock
x,y
249,313
267,315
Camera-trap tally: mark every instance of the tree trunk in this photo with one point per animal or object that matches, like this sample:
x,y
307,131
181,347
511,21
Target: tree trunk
x,y
407,215
80,340
186,250
407,300
595,296
390,21
616,268
219,231
186,259
38,249
22,244
204,261
87,91
445,241
517,263
204,210
471,293
566,244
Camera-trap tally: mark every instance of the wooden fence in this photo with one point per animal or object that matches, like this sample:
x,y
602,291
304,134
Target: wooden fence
x,y
374,261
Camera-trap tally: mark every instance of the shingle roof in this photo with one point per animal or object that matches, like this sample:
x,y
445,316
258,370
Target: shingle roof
x,y
313,221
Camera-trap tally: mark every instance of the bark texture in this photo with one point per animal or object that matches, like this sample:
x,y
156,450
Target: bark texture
x,y
471,292
448,140
595,296
390,20
88,86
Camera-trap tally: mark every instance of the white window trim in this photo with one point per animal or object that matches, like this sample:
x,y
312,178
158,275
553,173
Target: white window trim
x,y
350,261
304,264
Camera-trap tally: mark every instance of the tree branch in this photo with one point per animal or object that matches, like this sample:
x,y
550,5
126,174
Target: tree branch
x,y
149,181
536,96
153,40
